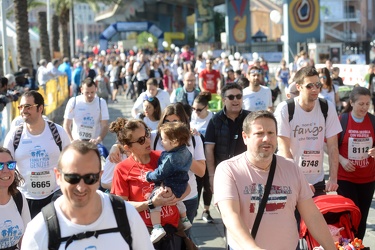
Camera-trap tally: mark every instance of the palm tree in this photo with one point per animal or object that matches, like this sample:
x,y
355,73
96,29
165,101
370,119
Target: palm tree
x,y
43,36
23,38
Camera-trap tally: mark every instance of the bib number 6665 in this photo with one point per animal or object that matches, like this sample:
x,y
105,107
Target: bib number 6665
x,y
40,184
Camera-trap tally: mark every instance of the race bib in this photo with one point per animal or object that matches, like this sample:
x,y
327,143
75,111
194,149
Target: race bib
x,y
311,161
210,84
86,132
41,183
358,148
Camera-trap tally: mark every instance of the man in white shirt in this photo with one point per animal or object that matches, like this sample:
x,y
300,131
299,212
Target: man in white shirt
x,y
86,116
83,210
256,97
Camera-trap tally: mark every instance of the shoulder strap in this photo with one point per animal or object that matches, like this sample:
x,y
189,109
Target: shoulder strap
x,y
19,201
156,140
324,107
17,136
50,217
291,107
263,203
119,210
55,134
193,140
344,122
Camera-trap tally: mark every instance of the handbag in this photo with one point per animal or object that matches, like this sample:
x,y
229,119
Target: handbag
x,y
263,202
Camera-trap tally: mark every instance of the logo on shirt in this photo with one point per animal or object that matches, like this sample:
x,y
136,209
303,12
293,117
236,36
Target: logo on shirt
x,y
39,158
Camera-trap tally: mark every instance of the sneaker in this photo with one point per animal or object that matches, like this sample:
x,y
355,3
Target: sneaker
x,y
115,101
157,234
186,223
207,217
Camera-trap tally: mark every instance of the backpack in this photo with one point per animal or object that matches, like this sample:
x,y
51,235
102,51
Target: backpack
x,y
344,122
292,106
54,235
52,127
19,201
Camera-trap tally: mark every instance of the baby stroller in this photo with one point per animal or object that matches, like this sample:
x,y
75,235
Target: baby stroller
x,y
337,211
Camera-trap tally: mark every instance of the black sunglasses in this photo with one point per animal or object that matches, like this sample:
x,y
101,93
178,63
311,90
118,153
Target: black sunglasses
x,y
88,179
231,97
11,165
318,85
199,110
142,139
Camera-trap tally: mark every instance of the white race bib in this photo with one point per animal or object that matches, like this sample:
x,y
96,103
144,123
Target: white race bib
x,y
41,183
311,161
85,132
358,148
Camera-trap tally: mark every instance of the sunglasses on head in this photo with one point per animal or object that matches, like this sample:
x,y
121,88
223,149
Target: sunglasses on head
x,y
11,165
317,85
322,77
26,106
254,71
149,99
231,97
88,179
142,139
199,110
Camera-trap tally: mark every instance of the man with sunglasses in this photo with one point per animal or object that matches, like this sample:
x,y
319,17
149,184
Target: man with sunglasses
x,y
302,138
36,151
256,97
188,92
223,134
86,116
83,209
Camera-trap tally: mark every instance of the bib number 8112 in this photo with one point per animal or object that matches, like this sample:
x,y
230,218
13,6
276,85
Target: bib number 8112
x,y
40,184
307,163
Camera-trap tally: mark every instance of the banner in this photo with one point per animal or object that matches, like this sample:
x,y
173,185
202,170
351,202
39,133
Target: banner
x,y
238,22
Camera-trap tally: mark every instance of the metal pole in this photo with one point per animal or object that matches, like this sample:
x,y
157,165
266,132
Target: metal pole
x,y
6,68
49,27
72,32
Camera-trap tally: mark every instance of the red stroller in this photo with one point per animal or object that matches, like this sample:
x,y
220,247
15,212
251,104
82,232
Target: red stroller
x,y
337,211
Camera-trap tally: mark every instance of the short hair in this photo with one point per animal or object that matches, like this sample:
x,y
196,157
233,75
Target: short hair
x,y
228,87
303,72
335,69
4,81
243,82
66,59
152,82
88,81
175,109
124,129
82,147
38,98
250,118
18,180
176,131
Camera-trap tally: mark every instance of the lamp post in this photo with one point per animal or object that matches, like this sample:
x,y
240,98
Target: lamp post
x,y
6,67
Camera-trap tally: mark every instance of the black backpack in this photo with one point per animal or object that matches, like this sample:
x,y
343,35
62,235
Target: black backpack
x,y
54,235
344,122
52,127
19,201
292,106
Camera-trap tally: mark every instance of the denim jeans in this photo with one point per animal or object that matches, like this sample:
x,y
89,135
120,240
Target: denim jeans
x,y
191,209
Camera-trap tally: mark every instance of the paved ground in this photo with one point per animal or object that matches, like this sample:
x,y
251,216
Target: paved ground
x,y
210,236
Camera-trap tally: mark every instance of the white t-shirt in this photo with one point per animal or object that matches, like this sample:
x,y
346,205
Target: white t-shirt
x,y
200,124
86,116
142,74
37,156
12,223
254,101
18,120
108,169
235,179
329,96
162,96
36,236
197,153
306,132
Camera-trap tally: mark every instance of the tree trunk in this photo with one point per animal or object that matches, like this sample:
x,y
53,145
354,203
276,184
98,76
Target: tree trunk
x,y
64,38
55,34
23,37
43,36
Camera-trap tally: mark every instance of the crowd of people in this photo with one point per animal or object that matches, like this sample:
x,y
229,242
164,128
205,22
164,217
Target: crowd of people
x,y
172,149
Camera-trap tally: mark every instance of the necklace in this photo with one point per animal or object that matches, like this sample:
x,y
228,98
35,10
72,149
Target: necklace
x,y
258,168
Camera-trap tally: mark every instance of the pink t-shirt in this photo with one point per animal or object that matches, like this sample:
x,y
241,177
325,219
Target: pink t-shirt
x,y
235,179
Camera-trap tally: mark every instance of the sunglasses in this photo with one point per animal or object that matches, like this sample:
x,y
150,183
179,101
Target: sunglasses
x,y
254,71
11,165
88,179
149,99
317,85
199,110
26,106
142,139
322,77
231,97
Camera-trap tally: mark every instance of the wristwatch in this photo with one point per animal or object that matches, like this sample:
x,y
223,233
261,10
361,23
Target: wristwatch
x,y
150,204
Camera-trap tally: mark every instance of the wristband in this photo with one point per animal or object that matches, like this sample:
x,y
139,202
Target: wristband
x,y
150,204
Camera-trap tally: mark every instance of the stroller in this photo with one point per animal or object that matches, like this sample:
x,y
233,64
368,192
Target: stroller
x,y
337,211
